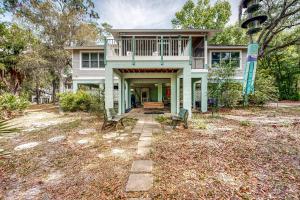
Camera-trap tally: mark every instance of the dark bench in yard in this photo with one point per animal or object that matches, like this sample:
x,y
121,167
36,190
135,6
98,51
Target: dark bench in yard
x,y
181,117
114,119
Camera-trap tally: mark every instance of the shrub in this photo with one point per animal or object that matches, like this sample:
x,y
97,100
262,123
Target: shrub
x,y
231,95
82,101
11,104
265,89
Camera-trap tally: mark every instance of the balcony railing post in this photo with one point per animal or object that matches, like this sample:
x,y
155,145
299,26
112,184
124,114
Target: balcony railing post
x,y
190,49
179,45
105,50
133,50
205,53
161,50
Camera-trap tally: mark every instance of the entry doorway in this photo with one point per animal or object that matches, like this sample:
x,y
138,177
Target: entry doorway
x,y
144,95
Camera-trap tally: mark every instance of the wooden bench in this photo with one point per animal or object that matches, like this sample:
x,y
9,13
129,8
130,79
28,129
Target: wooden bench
x,y
114,119
181,117
154,105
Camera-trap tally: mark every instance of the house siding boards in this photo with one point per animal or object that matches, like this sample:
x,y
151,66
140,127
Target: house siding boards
x,y
78,73
238,72
175,67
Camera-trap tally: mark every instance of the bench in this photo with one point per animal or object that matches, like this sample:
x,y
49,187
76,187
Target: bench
x,y
181,117
114,119
154,105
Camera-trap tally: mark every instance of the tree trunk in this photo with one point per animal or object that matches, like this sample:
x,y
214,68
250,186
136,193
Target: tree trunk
x,y
53,91
37,93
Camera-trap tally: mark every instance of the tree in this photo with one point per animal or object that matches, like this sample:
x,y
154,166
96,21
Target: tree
x,y
58,23
13,42
231,35
222,88
202,15
283,16
284,66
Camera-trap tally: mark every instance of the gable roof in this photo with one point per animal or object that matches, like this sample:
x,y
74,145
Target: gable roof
x,y
124,32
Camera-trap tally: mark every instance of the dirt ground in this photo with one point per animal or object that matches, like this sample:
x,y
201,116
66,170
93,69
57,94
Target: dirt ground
x,y
69,158
239,154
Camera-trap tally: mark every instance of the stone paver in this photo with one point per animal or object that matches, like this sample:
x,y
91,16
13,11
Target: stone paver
x,y
142,166
57,138
144,143
139,182
145,138
26,146
86,131
143,151
146,134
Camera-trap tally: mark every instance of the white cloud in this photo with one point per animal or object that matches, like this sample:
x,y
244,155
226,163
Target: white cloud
x,y
138,13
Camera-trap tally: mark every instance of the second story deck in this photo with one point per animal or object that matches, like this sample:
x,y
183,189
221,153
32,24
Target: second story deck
x,y
160,44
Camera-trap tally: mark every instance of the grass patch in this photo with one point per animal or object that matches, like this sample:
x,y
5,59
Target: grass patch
x,y
245,123
198,122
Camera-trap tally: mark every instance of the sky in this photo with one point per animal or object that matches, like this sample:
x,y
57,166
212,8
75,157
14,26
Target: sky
x,y
142,13
146,13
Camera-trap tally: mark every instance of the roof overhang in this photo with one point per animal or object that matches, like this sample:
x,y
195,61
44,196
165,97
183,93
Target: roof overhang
x,y
96,47
148,32
227,47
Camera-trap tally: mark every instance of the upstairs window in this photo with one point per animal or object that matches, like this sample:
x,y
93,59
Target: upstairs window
x,y
218,58
92,60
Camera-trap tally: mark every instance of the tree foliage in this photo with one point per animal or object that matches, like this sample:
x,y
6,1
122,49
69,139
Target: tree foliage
x,y
283,16
58,23
231,35
202,15
13,42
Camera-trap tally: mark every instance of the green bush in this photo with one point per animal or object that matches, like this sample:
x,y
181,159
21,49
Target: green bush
x,y
10,104
82,101
265,89
231,94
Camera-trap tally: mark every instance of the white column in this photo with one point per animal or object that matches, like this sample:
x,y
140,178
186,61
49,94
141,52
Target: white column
x,y
109,88
204,93
178,95
126,95
187,89
194,95
205,53
173,94
120,96
159,91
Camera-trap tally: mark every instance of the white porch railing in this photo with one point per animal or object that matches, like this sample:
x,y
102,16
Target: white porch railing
x,y
148,47
198,63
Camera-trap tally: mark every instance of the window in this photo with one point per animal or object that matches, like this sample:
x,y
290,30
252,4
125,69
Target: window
x,y
92,60
218,58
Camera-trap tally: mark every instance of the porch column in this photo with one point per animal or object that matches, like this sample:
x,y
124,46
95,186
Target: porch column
x,y
205,53
159,90
75,86
126,95
173,94
187,89
178,96
123,95
109,88
129,94
204,93
194,94
120,95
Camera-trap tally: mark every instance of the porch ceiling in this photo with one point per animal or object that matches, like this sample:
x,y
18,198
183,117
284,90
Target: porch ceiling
x,y
147,70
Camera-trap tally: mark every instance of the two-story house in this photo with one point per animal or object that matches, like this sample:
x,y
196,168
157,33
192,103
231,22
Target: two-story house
x,y
154,65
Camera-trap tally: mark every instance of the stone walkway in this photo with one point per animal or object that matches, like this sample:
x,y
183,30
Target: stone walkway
x,y
141,177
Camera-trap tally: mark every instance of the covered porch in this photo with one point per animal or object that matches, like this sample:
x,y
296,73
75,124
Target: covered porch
x,y
172,88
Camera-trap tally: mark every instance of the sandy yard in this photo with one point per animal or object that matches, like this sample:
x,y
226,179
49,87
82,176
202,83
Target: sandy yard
x,y
240,154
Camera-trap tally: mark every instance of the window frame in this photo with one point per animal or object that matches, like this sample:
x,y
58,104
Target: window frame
x,y
90,68
225,51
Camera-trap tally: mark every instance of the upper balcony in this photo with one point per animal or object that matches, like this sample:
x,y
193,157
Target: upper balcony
x,y
159,45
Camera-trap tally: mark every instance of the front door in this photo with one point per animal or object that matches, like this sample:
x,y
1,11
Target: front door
x,y
144,95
